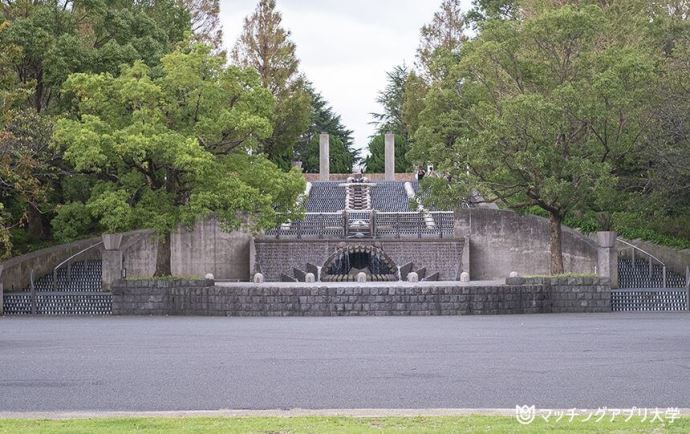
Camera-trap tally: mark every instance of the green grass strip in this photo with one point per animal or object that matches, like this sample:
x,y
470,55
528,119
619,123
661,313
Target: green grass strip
x,y
317,424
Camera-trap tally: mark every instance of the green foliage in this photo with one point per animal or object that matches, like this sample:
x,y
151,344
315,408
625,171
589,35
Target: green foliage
x,y
53,39
376,161
175,147
265,46
441,41
664,230
72,221
391,99
5,238
541,111
343,156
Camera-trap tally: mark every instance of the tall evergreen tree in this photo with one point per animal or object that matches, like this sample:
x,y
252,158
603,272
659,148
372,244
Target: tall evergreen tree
x,y
441,41
343,156
391,99
266,46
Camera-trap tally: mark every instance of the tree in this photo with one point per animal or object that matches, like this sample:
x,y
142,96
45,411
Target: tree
x,y
171,148
441,41
323,120
43,42
662,176
539,112
29,169
483,10
206,21
56,38
266,46
391,99
376,161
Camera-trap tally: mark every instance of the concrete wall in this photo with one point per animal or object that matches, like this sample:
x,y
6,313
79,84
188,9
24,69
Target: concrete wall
x,y
427,298
276,256
208,249
503,241
139,255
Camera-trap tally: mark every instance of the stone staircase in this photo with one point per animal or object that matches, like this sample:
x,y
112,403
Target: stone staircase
x,y
645,287
76,291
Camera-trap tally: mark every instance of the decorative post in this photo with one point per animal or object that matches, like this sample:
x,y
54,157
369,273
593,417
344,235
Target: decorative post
x,y
2,288
324,157
112,260
607,256
390,157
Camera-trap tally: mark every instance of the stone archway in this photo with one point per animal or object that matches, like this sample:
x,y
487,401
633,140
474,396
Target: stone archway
x,y
350,260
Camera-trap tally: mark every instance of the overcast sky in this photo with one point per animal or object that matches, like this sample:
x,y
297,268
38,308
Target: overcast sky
x,y
345,46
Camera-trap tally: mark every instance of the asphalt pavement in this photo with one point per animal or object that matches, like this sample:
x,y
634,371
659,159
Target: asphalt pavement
x,y
187,363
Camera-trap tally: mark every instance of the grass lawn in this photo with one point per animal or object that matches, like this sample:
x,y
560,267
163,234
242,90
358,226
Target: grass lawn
x,y
275,425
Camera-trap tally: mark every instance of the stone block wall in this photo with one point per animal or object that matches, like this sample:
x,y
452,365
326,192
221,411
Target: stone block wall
x,y
280,256
427,298
572,294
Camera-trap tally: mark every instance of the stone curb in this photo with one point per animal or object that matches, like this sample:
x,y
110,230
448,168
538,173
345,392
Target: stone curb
x,y
297,412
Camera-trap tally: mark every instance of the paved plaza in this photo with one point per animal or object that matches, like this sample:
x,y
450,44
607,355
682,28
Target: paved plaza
x,y
176,363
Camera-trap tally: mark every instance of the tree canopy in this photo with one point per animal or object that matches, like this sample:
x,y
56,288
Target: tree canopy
x,y
544,111
266,46
343,156
391,99
158,144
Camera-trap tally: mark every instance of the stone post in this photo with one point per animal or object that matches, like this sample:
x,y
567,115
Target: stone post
x,y
607,256
324,158
2,302
466,258
390,157
112,260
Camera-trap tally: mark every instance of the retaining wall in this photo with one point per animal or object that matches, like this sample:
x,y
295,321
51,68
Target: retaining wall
x,y
427,298
502,241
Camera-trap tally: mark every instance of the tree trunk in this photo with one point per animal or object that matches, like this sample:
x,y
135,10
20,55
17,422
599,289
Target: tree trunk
x,y
36,225
555,244
163,256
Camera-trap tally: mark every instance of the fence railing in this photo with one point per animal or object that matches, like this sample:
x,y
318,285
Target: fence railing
x,y
369,224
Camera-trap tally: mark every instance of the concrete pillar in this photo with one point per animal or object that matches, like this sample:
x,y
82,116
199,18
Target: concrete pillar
x,y
112,260
607,256
466,257
324,157
1,291
390,157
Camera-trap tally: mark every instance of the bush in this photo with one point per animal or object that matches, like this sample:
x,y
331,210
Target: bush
x,y
73,221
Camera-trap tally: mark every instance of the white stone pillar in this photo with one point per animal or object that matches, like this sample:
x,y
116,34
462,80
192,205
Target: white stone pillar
x,y
390,157
324,157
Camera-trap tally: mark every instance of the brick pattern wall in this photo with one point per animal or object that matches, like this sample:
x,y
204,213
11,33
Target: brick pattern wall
x,y
440,298
279,256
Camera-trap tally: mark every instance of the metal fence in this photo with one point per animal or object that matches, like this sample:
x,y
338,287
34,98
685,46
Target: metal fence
x,y
369,224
